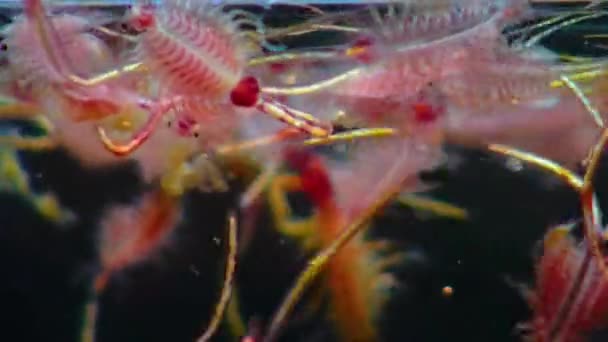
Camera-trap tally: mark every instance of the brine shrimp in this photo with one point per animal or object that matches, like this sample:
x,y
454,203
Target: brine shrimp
x,y
132,233
359,274
524,104
457,39
198,53
347,191
559,313
44,80
570,295
50,59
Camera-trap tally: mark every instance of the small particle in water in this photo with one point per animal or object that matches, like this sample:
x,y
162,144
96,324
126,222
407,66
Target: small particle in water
x,y
514,164
447,291
217,240
194,270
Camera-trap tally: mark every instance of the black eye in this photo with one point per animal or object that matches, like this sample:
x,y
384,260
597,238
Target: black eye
x,y
3,47
195,134
169,123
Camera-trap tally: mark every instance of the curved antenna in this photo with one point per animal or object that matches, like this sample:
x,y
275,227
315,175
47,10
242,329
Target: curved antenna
x,y
311,88
538,37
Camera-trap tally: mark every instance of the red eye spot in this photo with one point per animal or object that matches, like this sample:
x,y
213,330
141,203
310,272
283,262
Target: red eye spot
x,y
143,20
424,113
246,92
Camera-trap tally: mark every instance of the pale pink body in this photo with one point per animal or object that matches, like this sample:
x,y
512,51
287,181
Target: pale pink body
x,y
31,78
562,270
405,63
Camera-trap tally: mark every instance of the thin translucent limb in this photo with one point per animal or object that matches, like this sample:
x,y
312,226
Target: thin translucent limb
x,y
437,207
294,56
18,110
552,29
295,118
319,262
289,133
257,187
591,212
315,28
220,308
595,114
113,33
361,133
90,319
157,113
312,25
109,75
29,144
581,76
311,88
570,177
584,187
538,37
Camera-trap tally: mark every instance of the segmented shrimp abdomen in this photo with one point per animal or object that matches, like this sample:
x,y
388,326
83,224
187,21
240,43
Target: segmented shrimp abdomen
x,y
194,55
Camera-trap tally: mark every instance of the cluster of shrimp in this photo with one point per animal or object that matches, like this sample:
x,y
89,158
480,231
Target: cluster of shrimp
x,y
420,76
192,82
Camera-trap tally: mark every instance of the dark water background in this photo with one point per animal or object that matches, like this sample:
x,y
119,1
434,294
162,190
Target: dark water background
x,y
45,271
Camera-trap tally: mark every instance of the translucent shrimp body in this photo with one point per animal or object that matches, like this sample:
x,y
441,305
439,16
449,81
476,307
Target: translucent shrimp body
x,y
408,22
28,64
517,106
454,41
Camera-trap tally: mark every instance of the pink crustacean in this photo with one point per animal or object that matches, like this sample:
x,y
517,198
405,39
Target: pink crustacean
x,y
344,189
198,55
493,95
426,47
33,79
513,103
399,63
570,298
50,58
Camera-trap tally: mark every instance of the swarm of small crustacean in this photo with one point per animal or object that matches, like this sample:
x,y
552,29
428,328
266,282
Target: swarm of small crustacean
x,y
184,86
